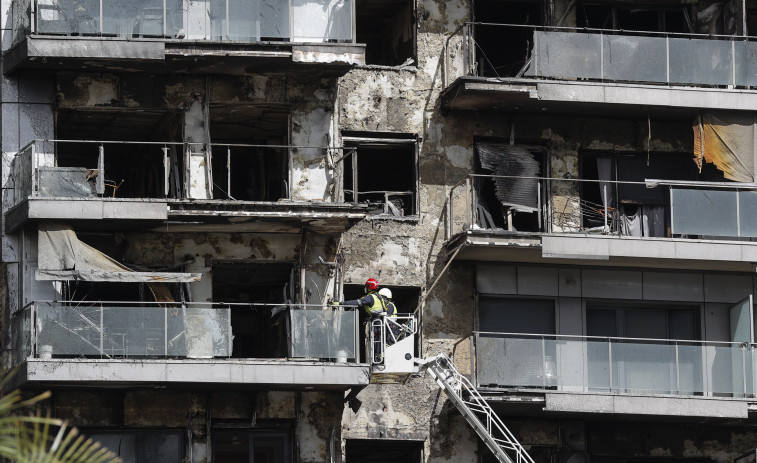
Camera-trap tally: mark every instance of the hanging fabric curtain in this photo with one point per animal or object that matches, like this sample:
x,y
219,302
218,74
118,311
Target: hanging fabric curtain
x,y
727,141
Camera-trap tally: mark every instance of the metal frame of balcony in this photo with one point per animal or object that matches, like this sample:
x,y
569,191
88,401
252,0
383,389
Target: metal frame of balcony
x,y
91,193
672,352
169,38
713,239
586,69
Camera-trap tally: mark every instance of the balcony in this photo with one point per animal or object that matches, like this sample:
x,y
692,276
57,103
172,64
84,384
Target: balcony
x,y
190,186
620,375
92,343
171,34
649,223
598,71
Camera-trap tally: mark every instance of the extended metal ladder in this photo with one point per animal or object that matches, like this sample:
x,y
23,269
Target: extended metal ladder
x,y
477,412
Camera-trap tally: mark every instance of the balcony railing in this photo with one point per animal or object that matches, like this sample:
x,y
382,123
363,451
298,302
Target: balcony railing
x,y
615,365
608,55
157,170
650,208
216,20
127,330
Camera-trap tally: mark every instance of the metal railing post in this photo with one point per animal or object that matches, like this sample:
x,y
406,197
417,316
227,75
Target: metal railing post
x,y
678,371
102,331
165,330
609,357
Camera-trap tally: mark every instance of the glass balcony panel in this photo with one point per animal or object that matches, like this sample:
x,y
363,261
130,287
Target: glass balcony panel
x,y
614,365
648,368
600,374
274,19
690,369
746,63
244,20
68,17
748,213
321,20
323,334
704,212
509,362
69,331
567,55
22,339
700,61
622,55
133,331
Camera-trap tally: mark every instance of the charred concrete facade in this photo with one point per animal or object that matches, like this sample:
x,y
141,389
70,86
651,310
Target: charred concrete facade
x,y
561,191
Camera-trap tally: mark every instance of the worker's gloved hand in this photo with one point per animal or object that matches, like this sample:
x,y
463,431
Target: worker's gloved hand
x,y
336,303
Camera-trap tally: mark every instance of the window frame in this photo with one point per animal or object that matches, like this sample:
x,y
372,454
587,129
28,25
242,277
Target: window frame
x,y
356,140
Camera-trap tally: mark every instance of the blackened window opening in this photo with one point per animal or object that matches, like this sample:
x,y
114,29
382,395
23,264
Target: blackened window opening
x,y
648,18
383,451
249,173
387,28
132,170
386,177
510,203
493,59
259,331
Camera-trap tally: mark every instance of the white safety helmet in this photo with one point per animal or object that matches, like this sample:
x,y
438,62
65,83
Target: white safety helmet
x,y
386,292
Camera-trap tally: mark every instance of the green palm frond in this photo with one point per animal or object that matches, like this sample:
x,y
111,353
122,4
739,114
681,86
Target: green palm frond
x,y
28,438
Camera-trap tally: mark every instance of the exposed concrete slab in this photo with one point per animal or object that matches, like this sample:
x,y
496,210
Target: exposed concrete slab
x,y
581,249
84,209
595,247
577,96
640,405
269,373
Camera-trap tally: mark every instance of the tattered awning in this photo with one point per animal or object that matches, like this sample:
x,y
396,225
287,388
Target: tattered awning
x,y
726,139
63,257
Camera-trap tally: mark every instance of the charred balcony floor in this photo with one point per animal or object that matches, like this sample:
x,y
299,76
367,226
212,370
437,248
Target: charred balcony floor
x,y
190,215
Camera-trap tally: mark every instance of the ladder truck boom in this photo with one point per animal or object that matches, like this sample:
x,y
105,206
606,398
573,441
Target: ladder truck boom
x,y
391,341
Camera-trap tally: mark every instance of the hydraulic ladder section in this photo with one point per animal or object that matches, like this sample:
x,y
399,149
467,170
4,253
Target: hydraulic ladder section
x,y
477,412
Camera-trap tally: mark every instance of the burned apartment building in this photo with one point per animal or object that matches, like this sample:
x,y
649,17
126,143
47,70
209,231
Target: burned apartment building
x,y
561,194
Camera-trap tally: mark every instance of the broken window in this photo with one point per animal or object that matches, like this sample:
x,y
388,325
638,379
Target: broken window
x,y
142,446
386,176
259,330
633,209
492,58
383,451
387,28
252,445
628,17
249,161
512,198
